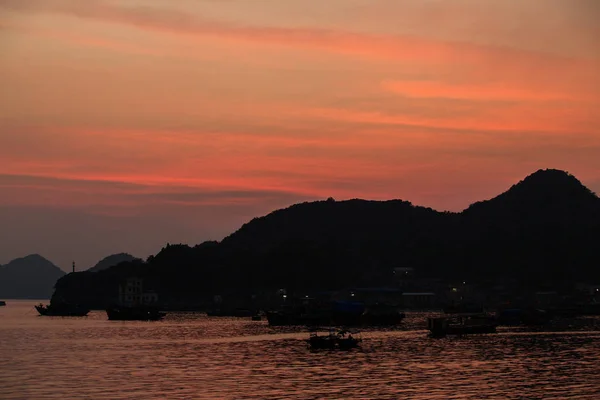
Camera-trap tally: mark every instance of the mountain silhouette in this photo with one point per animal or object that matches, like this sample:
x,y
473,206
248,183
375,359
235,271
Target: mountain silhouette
x,y
543,229
111,261
352,221
546,225
31,277
543,193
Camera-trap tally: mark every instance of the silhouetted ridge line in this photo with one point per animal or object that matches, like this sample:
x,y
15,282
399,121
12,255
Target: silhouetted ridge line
x,y
544,228
111,261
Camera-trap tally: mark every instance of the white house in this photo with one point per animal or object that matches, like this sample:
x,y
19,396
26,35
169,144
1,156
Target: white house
x,y
132,293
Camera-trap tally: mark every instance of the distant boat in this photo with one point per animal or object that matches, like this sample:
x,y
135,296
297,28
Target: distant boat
x,y
62,310
342,340
381,315
2,303
462,324
338,313
134,313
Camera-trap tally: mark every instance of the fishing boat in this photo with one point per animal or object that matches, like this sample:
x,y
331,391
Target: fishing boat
x,y
340,339
335,313
346,341
2,303
462,324
382,315
316,341
62,310
134,313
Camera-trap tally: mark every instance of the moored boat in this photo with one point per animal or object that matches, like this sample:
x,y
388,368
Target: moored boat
x,y
2,303
336,313
462,324
134,313
62,310
381,315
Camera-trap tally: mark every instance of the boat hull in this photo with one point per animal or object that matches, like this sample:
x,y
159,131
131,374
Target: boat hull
x,y
51,311
440,327
134,314
333,341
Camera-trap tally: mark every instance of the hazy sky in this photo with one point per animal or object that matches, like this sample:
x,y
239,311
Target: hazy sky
x,y
128,124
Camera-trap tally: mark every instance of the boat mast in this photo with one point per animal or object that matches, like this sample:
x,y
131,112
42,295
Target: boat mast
x,y
73,266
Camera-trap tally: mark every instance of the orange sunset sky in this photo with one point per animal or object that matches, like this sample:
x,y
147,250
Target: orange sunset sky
x,y
128,124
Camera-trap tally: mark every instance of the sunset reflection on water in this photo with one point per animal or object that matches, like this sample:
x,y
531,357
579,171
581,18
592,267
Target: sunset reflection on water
x,y
190,356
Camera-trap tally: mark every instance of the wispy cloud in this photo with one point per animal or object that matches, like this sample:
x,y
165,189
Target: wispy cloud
x,y
404,47
486,92
115,108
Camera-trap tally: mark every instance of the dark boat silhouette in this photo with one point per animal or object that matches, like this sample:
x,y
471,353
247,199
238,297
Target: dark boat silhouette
x,y
462,324
341,339
2,303
62,310
337,313
134,313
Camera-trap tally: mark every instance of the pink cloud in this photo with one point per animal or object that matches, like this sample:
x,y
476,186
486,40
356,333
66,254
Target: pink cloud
x,y
485,92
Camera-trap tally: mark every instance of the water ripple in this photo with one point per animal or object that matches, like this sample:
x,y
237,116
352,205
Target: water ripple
x,y
191,356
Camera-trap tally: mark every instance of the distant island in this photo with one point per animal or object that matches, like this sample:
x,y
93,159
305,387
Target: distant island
x,y
543,232
31,277
34,277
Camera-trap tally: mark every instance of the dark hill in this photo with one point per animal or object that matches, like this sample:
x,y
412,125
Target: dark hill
x,y
545,228
111,261
540,195
351,221
31,277
546,225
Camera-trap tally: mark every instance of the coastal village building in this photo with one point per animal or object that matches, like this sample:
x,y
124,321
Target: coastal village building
x,y
132,293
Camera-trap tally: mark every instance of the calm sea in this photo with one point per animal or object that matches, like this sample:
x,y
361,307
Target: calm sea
x,y
191,356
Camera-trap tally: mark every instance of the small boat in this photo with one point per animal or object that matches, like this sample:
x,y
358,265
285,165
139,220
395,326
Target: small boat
x,y
462,324
2,303
316,341
62,310
256,317
134,313
346,341
381,315
342,340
